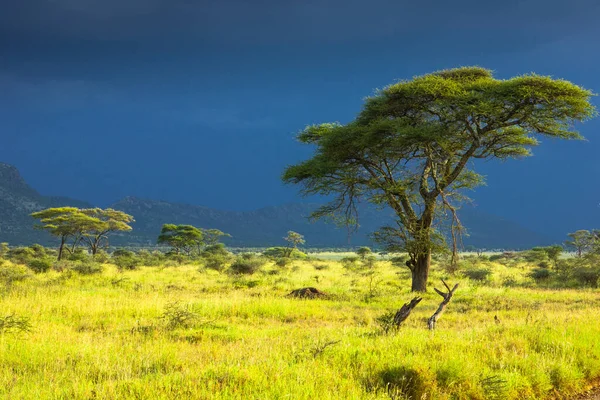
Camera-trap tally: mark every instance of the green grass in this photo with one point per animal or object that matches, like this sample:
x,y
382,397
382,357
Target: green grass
x,y
112,335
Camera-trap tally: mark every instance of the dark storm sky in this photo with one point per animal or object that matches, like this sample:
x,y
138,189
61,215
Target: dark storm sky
x,y
199,101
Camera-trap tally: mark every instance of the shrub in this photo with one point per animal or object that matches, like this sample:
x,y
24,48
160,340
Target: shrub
x,y
283,262
150,259
587,276
540,274
349,262
10,273
480,274
21,255
123,253
246,264
40,265
282,252
101,256
126,260
216,261
215,249
87,268
178,316
79,255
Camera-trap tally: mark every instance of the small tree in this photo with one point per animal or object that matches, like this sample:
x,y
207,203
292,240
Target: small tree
x,y
180,238
66,223
294,239
581,241
554,253
104,223
363,252
213,236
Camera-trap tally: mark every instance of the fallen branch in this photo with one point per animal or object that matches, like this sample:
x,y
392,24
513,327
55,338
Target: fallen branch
x,y
447,296
404,312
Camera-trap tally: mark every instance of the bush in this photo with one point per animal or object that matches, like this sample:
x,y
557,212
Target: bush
x,y
216,262
480,274
123,253
150,259
21,255
126,262
10,273
282,252
587,276
246,264
40,265
349,262
79,255
88,268
283,262
101,256
215,249
540,274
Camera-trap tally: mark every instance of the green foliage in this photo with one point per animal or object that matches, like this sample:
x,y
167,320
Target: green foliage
x,y
479,274
125,259
178,316
10,273
581,241
364,252
39,265
587,276
79,254
150,259
87,268
217,261
95,234
4,249
21,255
283,252
181,238
411,145
246,264
540,274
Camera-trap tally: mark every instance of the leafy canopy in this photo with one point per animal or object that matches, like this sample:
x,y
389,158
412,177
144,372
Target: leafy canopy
x,y
411,145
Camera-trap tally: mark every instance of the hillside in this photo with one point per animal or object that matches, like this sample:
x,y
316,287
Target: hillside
x,y
257,228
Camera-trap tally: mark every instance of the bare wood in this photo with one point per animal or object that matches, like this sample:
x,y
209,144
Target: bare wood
x,y
447,296
404,312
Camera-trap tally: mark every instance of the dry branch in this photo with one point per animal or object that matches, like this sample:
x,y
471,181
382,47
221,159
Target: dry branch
x,y
404,312
447,296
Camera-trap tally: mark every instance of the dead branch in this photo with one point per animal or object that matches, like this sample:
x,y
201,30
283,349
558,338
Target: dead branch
x,y
404,312
447,296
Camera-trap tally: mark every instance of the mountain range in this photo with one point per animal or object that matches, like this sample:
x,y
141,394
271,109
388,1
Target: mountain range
x,y
258,228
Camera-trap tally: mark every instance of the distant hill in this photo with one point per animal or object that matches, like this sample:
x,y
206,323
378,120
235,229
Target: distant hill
x,y
258,228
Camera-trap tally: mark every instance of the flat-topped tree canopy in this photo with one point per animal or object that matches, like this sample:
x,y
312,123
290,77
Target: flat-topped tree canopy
x,y
411,145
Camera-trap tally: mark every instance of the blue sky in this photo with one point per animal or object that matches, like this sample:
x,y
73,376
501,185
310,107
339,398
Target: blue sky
x,y
199,101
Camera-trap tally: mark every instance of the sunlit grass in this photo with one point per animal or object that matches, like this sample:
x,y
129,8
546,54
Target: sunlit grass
x,y
107,336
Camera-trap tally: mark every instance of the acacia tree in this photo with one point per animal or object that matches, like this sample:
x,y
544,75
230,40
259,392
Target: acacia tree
x,y
67,223
180,237
105,222
411,145
294,239
581,241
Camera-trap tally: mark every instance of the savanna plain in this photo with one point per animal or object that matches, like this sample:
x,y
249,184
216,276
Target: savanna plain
x,y
165,329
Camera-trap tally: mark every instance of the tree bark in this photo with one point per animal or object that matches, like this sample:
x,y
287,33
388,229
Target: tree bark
x,y
420,272
60,249
442,307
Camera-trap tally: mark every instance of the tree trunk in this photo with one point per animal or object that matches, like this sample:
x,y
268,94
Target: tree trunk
x,y
420,272
60,249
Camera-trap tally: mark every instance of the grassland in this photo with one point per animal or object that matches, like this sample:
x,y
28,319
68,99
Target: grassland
x,y
186,332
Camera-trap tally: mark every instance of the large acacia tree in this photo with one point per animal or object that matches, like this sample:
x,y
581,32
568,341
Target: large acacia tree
x,y
411,147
